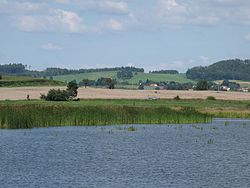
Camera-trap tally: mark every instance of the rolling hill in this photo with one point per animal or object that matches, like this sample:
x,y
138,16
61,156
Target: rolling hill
x,y
181,78
234,69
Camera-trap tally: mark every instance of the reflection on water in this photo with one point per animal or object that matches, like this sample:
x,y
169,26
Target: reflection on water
x,y
209,155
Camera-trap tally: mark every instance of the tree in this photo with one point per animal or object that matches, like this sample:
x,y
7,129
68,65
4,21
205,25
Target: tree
x,y
72,88
56,95
111,83
62,95
1,77
165,72
141,85
225,83
85,82
202,85
124,74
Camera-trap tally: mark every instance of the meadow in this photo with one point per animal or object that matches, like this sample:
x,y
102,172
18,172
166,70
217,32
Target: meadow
x,y
90,76
181,78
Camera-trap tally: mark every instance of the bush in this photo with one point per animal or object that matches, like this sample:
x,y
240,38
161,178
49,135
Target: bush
x,y
56,95
157,88
62,95
141,87
202,85
177,98
211,98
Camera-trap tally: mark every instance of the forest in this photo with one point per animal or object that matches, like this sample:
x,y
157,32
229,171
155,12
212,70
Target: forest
x,y
234,69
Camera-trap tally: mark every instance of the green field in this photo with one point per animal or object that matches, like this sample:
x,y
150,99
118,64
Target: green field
x,y
90,76
181,78
19,81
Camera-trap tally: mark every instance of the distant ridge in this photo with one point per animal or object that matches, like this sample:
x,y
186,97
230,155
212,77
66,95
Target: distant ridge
x,y
233,69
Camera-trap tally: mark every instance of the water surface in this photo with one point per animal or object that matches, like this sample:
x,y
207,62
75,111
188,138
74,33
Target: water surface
x,y
203,155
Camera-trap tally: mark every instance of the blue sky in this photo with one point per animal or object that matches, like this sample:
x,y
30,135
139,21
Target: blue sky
x,y
153,34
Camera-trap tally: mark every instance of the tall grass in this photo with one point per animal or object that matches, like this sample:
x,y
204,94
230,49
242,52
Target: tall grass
x,y
29,116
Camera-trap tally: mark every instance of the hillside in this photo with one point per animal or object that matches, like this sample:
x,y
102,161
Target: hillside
x,y
181,78
228,69
90,76
18,81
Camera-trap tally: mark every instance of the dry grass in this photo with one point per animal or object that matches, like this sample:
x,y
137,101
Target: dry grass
x,y
92,93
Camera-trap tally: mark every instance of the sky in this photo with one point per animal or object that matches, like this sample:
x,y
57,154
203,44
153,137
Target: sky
x,y
152,34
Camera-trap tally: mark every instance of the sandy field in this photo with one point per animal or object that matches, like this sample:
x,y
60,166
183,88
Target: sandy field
x,y
20,93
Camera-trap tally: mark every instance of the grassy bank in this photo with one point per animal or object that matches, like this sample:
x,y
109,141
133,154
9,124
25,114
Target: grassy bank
x,y
20,81
29,116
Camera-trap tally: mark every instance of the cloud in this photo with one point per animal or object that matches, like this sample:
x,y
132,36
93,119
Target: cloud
x,y
169,4
105,6
56,21
184,13
52,47
98,16
16,8
114,25
62,1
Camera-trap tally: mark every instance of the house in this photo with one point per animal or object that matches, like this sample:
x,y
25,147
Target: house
x,y
225,88
153,85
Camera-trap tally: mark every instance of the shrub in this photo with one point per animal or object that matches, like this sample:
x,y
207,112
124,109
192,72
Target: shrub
x,y
157,88
202,85
141,87
177,98
62,95
56,95
212,98
132,128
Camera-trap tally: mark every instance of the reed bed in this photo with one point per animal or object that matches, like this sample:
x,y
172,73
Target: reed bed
x,y
230,114
30,116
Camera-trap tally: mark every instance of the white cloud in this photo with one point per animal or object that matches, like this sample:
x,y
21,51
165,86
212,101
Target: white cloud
x,y
72,16
56,21
114,25
184,13
169,4
17,8
52,47
62,1
105,6
183,64
69,21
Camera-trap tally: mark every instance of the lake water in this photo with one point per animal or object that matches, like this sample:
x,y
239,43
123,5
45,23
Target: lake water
x,y
204,155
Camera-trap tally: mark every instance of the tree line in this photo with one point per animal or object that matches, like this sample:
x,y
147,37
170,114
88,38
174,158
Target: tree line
x,y
20,69
165,72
